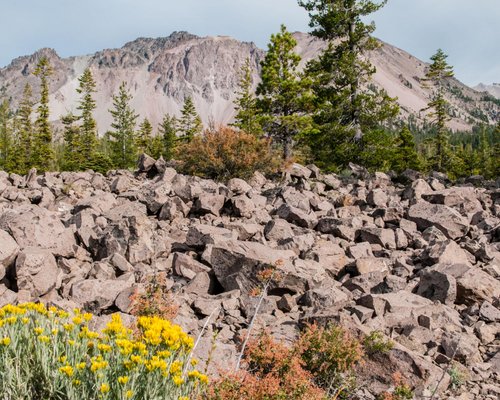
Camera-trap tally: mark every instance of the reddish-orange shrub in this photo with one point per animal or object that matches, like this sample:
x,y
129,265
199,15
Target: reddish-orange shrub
x,y
273,372
226,153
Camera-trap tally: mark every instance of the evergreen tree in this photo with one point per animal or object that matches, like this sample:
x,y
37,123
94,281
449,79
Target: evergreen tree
x,y
6,137
24,149
43,153
87,141
284,93
247,116
122,137
190,122
168,133
406,156
144,138
71,158
437,73
345,111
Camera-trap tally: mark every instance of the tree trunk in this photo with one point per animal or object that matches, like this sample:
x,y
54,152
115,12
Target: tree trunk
x,y
287,148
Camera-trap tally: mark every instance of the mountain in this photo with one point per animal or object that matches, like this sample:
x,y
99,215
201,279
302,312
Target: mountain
x,y
161,72
493,89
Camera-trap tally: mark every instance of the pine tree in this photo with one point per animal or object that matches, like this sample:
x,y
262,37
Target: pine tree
x,y
43,153
406,156
168,133
71,158
283,93
24,149
87,142
144,139
122,137
247,116
6,136
190,122
345,111
437,74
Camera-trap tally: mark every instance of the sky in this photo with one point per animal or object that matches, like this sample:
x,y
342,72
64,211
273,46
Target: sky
x,y
467,30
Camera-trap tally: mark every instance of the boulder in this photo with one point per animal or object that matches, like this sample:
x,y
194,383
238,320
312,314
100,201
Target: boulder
x,y
208,203
243,206
238,186
8,252
200,235
377,198
462,198
297,216
33,226
473,284
36,271
187,267
384,237
236,263
437,286
448,220
446,252
95,295
278,229
145,163
366,265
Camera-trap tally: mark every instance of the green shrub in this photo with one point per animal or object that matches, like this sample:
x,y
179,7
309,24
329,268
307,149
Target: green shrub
x,y
375,342
50,354
330,354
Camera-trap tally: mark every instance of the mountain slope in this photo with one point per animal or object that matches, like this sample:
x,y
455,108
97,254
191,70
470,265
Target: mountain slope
x,y
161,72
493,89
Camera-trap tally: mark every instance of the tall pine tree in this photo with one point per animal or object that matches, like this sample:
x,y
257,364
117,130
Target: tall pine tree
x,y
437,74
43,153
24,149
247,115
168,133
87,142
122,135
6,136
284,93
346,109
71,158
190,123
144,138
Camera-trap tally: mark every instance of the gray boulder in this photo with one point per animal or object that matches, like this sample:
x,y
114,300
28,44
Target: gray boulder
x,y
448,220
36,271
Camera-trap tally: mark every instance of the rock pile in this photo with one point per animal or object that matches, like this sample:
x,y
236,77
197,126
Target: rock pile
x,y
418,261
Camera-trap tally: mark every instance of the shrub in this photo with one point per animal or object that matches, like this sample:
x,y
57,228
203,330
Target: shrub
x,y
375,342
402,391
50,354
156,300
226,153
329,354
273,372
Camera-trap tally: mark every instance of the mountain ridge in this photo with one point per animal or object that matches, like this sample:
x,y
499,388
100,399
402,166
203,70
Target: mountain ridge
x,y
162,71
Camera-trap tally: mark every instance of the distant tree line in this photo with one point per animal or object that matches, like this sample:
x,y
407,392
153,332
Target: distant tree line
x,y
26,144
327,113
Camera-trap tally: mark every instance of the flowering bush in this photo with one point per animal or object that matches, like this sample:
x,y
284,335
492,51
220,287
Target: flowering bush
x,y
50,354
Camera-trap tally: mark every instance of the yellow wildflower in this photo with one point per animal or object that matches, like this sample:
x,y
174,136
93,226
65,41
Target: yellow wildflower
x,y
104,388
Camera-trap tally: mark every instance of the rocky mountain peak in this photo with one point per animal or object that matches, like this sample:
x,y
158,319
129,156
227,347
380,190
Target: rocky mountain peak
x,y
161,72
